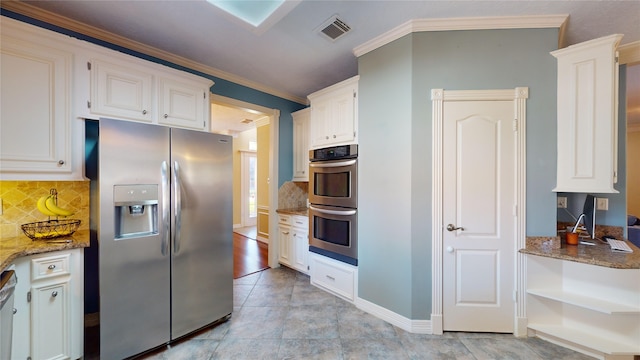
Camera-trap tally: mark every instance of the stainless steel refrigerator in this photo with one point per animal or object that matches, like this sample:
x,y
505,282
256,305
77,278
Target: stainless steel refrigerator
x,y
164,232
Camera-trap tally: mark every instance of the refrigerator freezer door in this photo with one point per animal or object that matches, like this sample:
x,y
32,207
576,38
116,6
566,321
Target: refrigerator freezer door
x,y
134,272
202,258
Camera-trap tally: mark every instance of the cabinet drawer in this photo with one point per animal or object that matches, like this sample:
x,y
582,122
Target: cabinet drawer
x,y
50,266
284,219
334,276
300,222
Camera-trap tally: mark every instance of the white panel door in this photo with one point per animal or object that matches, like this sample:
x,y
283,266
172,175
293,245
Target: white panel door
x,y
479,198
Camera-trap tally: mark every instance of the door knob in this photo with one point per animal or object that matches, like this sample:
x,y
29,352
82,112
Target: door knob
x,y
452,227
449,249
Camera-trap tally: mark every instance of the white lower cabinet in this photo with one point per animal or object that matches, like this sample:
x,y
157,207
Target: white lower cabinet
x,y
48,323
333,276
589,308
293,240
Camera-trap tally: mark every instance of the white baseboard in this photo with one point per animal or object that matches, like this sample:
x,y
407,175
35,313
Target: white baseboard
x,y
406,324
263,239
235,226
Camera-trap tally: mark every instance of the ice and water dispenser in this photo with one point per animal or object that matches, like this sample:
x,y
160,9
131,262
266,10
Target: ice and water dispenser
x,y
136,210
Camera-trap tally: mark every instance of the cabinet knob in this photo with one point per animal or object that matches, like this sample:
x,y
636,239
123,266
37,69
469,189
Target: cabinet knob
x,y
51,267
166,116
326,138
54,294
144,112
286,233
60,162
449,249
334,136
15,311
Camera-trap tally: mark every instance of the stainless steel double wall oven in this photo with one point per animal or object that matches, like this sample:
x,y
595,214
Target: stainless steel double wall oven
x,y
333,198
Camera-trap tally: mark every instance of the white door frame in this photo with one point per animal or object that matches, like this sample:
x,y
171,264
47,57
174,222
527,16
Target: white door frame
x,y
438,97
274,120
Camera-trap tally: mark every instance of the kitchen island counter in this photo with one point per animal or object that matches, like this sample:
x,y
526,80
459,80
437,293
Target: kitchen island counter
x,y
599,254
18,246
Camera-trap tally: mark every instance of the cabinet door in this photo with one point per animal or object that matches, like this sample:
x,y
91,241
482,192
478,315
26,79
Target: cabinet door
x,y
284,239
50,332
587,116
300,242
121,92
35,114
320,116
342,123
301,145
182,104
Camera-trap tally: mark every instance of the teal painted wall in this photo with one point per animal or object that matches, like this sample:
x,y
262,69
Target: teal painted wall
x,y
395,151
220,87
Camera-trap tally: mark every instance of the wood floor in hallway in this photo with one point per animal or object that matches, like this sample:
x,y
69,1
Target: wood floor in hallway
x,y
249,256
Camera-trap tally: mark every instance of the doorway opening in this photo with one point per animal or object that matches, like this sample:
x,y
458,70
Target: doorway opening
x,y
255,144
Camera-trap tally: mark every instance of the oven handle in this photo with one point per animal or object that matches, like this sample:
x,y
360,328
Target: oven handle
x,y
333,212
332,164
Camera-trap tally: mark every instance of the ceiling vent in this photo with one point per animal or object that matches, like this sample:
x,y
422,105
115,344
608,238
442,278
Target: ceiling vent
x,y
334,28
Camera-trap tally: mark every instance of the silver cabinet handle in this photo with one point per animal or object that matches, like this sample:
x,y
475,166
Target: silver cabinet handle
x,y
452,227
164,244
449,249
334,136
178,206
326,138
166,116
330,278
54,294
144,112
15,311
51,267
286,233
60,162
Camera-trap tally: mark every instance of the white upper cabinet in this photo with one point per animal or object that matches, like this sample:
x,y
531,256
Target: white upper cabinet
x,y
301,144
334,114
587,116
35,116
128,88
120,91
183,103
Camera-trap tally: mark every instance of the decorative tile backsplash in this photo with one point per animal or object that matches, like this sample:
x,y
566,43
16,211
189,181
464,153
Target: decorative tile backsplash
x,y
19,203
293,195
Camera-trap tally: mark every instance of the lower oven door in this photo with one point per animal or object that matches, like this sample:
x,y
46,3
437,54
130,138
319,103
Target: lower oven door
x,y
334,232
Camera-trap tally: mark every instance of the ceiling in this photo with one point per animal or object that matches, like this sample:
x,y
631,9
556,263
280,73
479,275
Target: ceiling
x,y
288,56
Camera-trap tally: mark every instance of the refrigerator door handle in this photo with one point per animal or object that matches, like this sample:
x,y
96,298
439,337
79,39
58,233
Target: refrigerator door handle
x,y
178,207
164,245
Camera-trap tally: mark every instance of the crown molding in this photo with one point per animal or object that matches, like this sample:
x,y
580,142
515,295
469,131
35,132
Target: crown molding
x,y
629,54
470,23
96,33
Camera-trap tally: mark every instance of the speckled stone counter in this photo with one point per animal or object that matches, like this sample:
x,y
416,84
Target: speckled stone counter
x,y
296,211
18,246
599,254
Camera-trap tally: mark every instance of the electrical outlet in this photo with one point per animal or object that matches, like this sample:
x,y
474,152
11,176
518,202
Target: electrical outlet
x,y
562,202
602,204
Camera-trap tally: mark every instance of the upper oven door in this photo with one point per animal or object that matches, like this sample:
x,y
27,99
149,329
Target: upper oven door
x,y
334,183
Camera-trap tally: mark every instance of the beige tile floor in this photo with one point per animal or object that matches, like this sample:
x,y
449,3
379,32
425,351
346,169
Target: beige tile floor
x,y
279,315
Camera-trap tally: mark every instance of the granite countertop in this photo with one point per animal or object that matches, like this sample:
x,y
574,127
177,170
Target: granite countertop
x,y
15,247
295,211
599,254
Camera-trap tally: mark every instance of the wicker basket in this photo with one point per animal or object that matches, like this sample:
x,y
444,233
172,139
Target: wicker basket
x,y
51,229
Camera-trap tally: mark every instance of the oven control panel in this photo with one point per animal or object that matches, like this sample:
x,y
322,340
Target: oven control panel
x,y
334,152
